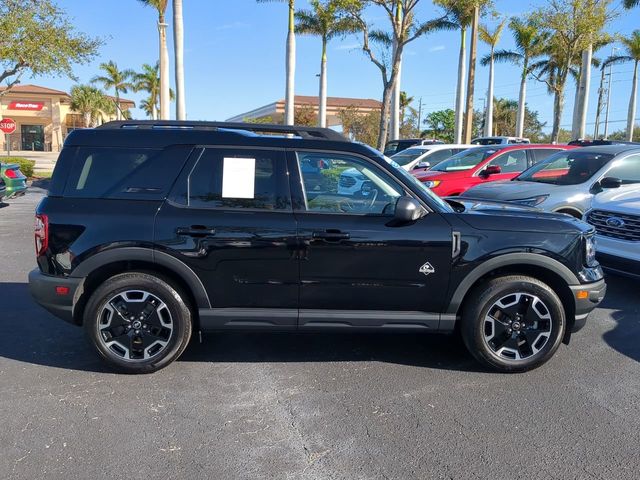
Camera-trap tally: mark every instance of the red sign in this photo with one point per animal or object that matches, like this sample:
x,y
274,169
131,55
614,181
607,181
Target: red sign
x,y
7,125
32,106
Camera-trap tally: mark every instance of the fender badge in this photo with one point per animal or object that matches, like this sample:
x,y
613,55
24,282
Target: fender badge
x,y
427,269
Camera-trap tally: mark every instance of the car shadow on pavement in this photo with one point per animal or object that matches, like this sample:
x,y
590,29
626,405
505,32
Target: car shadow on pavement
x,y
30,334
624,337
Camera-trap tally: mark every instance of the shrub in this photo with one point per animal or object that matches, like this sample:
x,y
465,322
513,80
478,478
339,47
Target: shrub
x,y
26,165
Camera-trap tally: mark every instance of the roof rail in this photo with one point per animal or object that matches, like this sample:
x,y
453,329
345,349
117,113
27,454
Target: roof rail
x,y
310,133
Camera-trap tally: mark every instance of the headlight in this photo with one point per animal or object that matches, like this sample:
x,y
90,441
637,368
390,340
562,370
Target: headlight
x,y
432,183
590,251
531,201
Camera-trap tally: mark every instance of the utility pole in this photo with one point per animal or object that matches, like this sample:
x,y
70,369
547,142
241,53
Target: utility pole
x,y
419,114
606,116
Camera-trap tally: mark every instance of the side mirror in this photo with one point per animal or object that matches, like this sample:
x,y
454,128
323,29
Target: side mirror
x,y
491,170
407,210
422,165
610,182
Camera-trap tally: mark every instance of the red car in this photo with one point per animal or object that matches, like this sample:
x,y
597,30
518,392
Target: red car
x,y
483,164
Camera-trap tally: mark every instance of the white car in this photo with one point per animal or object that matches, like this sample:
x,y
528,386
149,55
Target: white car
x,y
616,216
426,156
499,140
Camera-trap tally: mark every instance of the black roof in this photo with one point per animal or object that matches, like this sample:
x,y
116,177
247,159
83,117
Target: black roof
x,y
160,134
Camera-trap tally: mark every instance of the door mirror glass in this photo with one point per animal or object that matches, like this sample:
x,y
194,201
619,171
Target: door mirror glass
x,y
422,165
492,170
407,210
610,182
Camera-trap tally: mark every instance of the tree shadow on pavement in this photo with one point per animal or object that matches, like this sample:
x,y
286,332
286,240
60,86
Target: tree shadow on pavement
x,y
30,334
622,298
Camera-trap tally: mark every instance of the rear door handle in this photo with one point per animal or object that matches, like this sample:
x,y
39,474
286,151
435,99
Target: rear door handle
x,y
331,235
196,231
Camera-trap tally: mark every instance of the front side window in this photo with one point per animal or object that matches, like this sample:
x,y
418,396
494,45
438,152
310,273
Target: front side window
x,y
347,185
465,160
567,168
514,161
232,179
626,169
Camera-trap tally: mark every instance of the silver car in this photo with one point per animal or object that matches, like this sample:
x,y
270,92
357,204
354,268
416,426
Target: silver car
x,y
567,181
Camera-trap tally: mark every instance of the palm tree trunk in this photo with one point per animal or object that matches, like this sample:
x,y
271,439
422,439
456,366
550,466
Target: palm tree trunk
x,y
178,45
488,121
582,96
164,70
118,112
558,105
394,134
86,118
289,99
631,119
522,101
471,79
322,110
384,116
460,88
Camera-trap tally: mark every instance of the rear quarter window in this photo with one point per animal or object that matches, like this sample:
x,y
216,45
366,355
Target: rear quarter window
x,y
124,173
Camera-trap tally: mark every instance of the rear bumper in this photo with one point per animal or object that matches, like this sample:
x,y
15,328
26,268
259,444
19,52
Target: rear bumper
x,y
43,290
595,293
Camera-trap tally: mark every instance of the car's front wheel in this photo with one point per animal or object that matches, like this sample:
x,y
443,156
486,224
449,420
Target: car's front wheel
x,y
513,323
138,322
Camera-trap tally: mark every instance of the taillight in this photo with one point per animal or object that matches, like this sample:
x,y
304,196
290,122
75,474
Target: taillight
x,y
11,174
41,233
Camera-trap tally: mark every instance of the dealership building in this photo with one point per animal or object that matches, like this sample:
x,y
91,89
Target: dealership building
x,y
274,112
43,117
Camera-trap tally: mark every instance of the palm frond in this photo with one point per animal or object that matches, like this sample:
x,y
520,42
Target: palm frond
x,y
506,56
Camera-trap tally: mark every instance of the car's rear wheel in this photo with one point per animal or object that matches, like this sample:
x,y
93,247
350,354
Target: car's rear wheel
x,y
513,323
137,322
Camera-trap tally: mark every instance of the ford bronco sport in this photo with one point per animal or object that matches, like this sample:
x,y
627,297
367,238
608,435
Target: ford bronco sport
x,y
153,230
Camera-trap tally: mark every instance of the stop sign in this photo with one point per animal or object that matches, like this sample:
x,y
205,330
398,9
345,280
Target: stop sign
x,y
7,125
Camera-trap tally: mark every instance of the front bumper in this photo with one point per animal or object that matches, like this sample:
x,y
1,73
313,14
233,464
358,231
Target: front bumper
x,y
43,289
587,298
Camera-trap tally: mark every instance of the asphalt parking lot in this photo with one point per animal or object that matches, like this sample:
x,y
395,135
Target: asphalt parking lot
x,y
308,406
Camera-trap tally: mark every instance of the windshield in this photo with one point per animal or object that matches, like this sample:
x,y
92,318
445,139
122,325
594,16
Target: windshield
x,y
465,160
566,168
407,156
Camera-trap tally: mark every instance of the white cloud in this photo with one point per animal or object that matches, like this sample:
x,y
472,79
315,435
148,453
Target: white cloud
x,y
233,25
437,48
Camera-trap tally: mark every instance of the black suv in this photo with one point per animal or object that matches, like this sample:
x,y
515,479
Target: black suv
x,y
154,230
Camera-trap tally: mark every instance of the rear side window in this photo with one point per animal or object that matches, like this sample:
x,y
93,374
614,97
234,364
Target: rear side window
x,y
124,173
540,154
232,179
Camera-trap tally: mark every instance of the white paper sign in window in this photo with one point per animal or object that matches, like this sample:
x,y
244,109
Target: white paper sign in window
x,y
238,177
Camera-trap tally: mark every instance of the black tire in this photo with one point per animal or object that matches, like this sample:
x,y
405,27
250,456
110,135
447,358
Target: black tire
x,y
170,323
483,334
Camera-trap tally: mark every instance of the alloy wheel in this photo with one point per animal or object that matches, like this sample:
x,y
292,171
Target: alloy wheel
x,y
517,326
135,325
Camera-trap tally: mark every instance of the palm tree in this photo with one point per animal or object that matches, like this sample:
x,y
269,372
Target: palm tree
x,y
528,45
629,4
326,22
161,7
405,101
289,99
118,80
491,38
149,81
91,103
178,46
632,47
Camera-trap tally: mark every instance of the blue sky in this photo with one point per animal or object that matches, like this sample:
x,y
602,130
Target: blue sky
x,y
234,58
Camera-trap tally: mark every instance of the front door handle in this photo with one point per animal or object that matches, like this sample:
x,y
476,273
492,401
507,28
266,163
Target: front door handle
x,y
196,231
331,235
